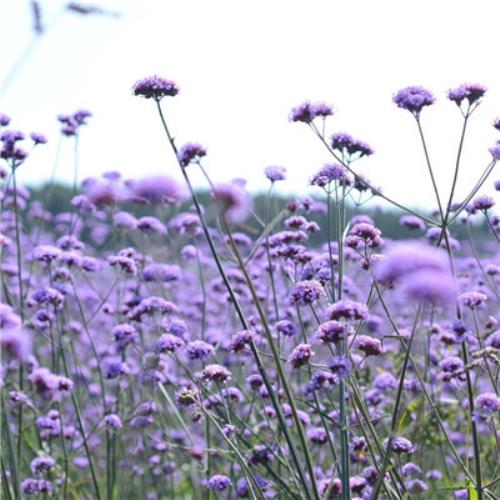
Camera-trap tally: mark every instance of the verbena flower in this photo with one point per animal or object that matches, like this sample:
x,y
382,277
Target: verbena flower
x,y
413,99
155,87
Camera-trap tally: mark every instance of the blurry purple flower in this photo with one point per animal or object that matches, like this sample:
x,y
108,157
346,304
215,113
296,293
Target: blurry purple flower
x,y
219,482
340,366
348,310
412,222
275,173
190,153
233,200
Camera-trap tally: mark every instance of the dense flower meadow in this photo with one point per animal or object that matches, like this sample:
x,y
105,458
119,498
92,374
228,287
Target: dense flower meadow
x,y
152,351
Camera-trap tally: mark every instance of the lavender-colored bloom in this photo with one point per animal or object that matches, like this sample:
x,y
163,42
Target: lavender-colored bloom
x,y
332,331
423,273
219,482
233,200
369,345
416,486
15,343
307,112
495,151
412,222
317,435
340,366
411,469
41,465
348,145
215,373
190,152
156,189
168,343
300,355
155,87
241,339
385,381
161,272
473,300
402,445
4,120
198,349
483,203
124,220
487,404
114,368
348,310
275,173
413,99
306,292
329,173
113,421
470,91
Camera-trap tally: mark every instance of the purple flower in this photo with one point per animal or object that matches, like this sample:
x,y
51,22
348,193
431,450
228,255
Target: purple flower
x,y
340,366
483,203
470,91
369,345
219,482
215,373
198,349
233,201
275,174
156,189
168,343
38,138
348,310
15,343
330,173
317,435
347,145
413,99
412,222
4,120
307,112
156,87
333,331
300,355
41,465
402,445
496,124
495,151
191,152
113,421
487,404
423,273
416,486
241,339
473,300
306,292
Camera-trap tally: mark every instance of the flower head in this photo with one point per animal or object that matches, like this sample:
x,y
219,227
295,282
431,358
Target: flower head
x,y
470,91
156,87
413,99
191,152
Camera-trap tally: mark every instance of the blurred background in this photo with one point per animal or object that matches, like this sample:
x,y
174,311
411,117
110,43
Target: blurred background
x,y
241,67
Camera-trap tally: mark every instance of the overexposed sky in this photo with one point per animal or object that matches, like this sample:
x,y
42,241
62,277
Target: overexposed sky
x,y
241,66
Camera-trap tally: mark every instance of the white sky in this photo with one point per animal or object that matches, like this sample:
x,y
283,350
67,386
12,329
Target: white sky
x,y
241,66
